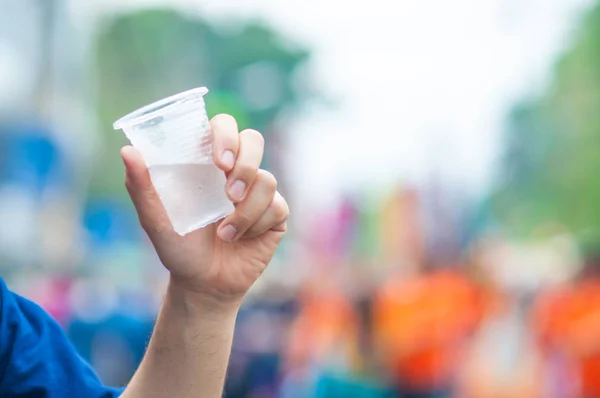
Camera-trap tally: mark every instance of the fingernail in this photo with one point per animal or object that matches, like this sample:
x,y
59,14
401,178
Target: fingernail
x,y
237,190
228,159
228,233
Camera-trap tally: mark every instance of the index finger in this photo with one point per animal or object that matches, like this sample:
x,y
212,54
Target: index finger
x,y
225,141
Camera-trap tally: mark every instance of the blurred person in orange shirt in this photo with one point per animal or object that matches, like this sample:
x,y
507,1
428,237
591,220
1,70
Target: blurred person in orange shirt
x,y
567,324
324,335
422,323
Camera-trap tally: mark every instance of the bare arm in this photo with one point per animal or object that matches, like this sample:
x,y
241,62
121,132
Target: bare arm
x,y
188,352
211,269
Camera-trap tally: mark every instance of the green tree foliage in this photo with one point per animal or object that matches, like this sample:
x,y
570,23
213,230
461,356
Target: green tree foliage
x,y
552,160
146,55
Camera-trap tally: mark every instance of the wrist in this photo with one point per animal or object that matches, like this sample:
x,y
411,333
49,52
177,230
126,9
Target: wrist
x,y
195,301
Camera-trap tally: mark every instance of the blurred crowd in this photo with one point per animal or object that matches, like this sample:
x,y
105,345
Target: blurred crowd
x,y
369,299
491,319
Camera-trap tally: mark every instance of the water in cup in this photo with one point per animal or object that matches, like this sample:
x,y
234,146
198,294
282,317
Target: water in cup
x,y
191,192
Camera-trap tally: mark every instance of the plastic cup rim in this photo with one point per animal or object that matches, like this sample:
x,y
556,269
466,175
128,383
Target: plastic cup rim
x,y
150,111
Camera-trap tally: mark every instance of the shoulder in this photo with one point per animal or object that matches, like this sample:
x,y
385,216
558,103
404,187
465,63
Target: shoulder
x,y
22,322
18,314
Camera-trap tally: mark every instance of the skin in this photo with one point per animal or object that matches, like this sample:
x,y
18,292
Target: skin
x,y
210,269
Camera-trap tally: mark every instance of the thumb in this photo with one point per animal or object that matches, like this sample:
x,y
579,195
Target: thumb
x,y
150,210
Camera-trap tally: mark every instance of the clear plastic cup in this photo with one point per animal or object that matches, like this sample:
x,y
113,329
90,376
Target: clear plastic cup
x,y
175,140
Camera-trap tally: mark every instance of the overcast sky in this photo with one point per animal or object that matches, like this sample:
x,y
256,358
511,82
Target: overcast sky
x,y
422,84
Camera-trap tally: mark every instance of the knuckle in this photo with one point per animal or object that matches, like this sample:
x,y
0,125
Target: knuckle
x,y
287,211
153,230
245,169
149,195
268,179
280,209
282,212
242,218
254,136
160,228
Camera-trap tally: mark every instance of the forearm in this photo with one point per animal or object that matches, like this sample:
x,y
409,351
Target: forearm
x,y
189,349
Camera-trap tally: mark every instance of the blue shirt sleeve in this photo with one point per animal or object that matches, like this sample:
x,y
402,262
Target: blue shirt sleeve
x,y
36,358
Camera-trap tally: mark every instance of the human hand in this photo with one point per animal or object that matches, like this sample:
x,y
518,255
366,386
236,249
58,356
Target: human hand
x,y
220,262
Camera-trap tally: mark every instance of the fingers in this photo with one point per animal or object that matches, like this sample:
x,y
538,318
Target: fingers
x,y
225,141
273,219
252,209
241,177
259,207
150,210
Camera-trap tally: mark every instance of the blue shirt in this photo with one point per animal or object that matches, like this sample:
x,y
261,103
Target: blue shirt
x,y
36,358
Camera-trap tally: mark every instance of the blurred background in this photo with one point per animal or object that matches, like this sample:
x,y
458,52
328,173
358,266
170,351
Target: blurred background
x,y
441,159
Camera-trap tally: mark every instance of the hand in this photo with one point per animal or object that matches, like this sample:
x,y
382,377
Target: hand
x,y
223,260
